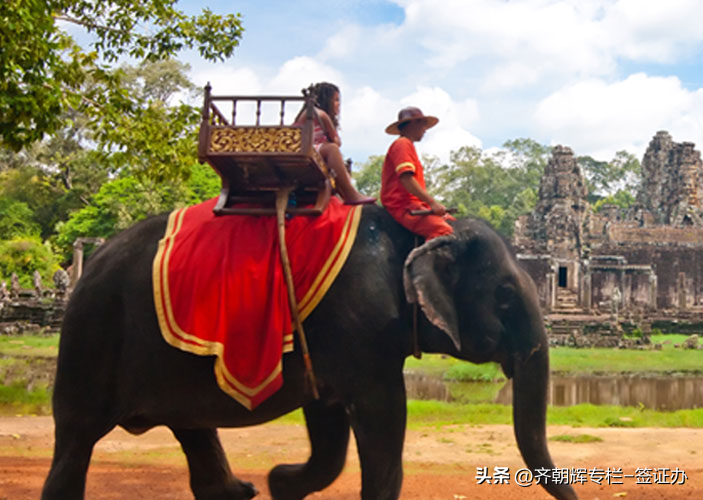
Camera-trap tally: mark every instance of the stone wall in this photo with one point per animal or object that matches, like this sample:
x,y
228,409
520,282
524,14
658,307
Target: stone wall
x,y
20,316
539,268
677,268
628,234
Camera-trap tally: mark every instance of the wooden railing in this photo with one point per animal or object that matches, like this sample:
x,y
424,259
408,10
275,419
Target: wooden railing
x,y
256,158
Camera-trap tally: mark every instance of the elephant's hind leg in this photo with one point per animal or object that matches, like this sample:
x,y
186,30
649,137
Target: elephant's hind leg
x,y
210,475
73,447
328,429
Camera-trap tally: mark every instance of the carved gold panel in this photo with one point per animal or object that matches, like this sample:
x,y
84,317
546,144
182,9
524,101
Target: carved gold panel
x,y
256,140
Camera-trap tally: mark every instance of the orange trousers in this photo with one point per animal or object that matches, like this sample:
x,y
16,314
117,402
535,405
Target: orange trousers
x,y
428,226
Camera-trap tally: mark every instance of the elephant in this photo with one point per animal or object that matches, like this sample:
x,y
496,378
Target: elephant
x,y
475,303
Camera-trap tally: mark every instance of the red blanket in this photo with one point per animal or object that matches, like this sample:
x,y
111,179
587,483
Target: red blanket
x,y
219,288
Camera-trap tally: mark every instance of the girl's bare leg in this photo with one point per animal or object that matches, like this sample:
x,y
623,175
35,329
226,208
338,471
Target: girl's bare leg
x,y
333,158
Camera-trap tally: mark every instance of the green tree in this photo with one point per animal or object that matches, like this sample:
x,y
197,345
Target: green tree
x,y
622,199
60,174
44,73
473,180
498,186
123,201
606,178
495,215
17,220
32,187
152,138
527,159
368,178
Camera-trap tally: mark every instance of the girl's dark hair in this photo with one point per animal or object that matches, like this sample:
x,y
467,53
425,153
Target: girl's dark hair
x,y
324,92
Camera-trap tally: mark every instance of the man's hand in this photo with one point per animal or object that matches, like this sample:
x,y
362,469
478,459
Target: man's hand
x,y
437,208
407,179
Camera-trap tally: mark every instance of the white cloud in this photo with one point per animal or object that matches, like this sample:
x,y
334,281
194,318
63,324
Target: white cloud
x,y
653,30
454,118
598,118
554,36
535,41
229,80
366,113
341,44
299,72
511,75
552,70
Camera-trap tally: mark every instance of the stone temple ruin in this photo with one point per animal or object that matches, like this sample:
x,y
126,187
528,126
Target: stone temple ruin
x,y
618,269
40,308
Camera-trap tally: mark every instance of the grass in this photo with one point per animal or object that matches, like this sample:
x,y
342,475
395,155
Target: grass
x,y
26,365
573,361
487,372
474,392
569,360
564,360
577,438
21,397
29,345
454,370
439,414
16,399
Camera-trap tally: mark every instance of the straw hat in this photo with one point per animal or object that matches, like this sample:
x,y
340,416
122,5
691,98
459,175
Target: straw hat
x,y
409,114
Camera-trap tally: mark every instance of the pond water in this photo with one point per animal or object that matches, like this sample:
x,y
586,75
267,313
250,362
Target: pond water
x,y
660,392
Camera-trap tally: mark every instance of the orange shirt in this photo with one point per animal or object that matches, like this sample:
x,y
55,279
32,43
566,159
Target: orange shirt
x,y
401,157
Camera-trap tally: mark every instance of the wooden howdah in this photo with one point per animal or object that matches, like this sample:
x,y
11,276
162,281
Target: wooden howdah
x,y
256,161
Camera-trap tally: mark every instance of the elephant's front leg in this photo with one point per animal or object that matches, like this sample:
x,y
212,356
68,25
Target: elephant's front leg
x,y
328,430
378,419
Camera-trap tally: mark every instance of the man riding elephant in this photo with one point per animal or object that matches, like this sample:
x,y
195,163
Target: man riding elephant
x,y
403,188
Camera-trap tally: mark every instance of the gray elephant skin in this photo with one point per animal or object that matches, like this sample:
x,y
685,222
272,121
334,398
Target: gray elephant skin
x,y
476,304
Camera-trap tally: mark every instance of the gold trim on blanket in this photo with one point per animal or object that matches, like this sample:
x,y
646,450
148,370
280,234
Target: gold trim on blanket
x,y
237,390
334,264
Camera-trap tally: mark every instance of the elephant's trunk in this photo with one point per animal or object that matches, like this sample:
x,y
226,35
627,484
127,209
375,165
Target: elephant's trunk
x,y
530,385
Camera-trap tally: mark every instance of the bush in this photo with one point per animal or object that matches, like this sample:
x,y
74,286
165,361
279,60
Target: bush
x,y
24,256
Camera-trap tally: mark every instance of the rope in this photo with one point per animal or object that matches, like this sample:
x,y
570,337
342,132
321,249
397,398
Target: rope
x,y
416,344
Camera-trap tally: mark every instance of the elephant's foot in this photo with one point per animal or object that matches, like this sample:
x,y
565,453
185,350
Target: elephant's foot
x,y
378,420
232,490
73,447
285,482
328,430
210,475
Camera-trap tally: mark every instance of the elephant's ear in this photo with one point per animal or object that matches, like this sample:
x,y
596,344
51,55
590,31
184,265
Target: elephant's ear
x,y
428,277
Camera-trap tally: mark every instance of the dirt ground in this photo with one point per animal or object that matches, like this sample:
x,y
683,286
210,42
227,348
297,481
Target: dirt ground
x,y
439,463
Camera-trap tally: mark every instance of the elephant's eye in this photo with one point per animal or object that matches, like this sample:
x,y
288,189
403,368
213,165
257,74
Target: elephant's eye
x,y
506,295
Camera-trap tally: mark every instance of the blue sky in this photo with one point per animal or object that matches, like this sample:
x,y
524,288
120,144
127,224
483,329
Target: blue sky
x,y
596,75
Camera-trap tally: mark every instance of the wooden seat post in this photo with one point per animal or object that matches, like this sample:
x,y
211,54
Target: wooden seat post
x,y
281,203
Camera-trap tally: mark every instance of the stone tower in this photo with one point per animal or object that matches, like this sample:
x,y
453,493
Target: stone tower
x,y
556,223
672,182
